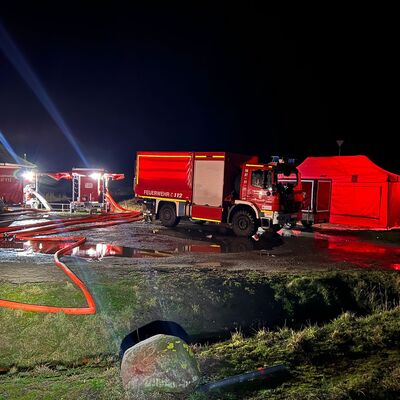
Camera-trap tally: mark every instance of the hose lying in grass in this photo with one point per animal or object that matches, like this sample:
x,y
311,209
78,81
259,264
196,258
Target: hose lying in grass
x,y
248,376
35,232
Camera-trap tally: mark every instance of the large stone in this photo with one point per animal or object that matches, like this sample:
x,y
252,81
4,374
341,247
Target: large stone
x,y
160,367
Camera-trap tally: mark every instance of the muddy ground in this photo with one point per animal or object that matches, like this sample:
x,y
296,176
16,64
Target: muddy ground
x,y
113,251
307,293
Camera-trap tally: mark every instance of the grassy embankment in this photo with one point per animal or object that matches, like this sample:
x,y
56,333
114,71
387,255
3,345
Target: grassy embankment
x,y
329,350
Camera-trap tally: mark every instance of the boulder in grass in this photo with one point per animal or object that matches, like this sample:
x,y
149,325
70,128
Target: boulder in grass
x,y
160,367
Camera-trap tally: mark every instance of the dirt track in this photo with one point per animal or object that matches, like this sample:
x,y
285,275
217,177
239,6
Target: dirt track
x,y
115,251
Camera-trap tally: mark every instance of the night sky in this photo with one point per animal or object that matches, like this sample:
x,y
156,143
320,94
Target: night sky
x,y
180,77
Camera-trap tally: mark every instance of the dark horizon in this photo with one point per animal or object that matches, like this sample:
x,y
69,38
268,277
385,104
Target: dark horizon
x,y
217,78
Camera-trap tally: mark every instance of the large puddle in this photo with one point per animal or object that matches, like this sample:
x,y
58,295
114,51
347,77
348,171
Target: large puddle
x,y
101,250
360,252
350,248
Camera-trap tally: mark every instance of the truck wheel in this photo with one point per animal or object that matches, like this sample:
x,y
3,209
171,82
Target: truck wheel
x,y
167,215
244,223
307,224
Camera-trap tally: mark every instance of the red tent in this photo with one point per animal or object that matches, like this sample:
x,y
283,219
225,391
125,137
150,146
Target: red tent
x,y
363,194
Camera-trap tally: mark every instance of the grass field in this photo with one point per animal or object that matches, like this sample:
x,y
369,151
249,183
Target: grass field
x,y
348,358
337,331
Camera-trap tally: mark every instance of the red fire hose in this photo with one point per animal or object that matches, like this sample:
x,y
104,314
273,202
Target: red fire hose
x,y
60,226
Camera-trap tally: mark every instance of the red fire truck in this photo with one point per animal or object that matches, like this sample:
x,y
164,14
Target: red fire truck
x,y
219,187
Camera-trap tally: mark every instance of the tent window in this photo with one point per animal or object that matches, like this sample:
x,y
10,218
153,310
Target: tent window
x,y
354,178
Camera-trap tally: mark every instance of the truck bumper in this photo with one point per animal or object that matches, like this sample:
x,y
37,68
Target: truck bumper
x,y
282,219
277,218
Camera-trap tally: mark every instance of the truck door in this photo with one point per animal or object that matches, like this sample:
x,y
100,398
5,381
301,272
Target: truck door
x,y
208,186
256,192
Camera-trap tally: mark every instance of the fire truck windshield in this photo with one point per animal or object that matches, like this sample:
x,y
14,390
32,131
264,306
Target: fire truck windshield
x,y
268,179
262,179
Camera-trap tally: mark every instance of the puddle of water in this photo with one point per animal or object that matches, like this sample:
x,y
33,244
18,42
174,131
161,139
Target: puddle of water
x,y
11,244
22,222
337,248
363,253
101,250
91,251
345,247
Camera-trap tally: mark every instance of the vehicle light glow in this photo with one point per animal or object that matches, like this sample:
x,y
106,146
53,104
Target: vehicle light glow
x,y
28,176
95,175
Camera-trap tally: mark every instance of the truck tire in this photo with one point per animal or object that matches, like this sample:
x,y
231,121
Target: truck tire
x,y
244,223
167,215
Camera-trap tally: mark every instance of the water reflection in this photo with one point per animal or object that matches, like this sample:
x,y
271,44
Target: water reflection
x,y
350,248
102,250
337,248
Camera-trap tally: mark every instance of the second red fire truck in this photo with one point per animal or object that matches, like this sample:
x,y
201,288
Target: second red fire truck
x,y
219,187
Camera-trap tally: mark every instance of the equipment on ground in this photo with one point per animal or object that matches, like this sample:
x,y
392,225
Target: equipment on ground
x,y
33,199
219,187
264,374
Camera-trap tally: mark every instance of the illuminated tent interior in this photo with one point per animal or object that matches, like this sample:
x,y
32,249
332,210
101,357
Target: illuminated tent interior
x,y
363,194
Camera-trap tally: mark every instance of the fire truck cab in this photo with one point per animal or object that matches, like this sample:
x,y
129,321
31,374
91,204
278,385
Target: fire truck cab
x,y
266,187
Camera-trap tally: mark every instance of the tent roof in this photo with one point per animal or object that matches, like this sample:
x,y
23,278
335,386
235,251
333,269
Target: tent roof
x,y
341,167
7,159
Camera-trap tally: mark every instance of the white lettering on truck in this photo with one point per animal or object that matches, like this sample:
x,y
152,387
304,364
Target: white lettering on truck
x,y
158,193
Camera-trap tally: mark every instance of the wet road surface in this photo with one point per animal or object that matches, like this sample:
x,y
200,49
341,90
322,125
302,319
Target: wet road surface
x,y
115,250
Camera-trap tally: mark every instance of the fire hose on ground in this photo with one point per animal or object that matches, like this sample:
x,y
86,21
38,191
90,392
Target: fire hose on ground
x,y
35,232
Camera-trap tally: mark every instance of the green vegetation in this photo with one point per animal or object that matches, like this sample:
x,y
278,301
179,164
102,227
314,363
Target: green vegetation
x,y
337,331
44,383
348,358
56,294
